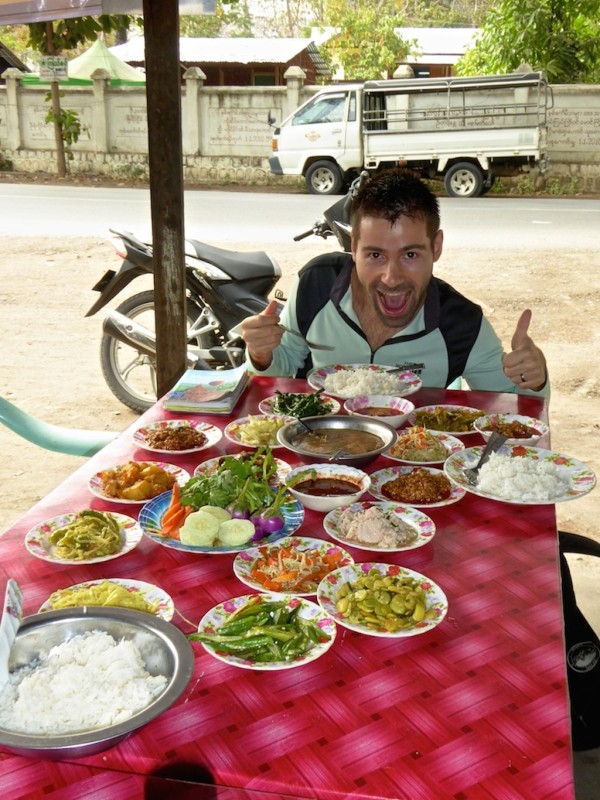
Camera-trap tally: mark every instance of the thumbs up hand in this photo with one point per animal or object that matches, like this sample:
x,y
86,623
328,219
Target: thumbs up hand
x,y
525,365
262,335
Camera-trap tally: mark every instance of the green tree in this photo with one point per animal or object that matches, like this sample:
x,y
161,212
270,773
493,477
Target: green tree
x,y
230,19
366,46
52,38
560,37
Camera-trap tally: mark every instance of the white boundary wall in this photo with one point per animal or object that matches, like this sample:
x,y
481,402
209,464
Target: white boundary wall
x,y
226,137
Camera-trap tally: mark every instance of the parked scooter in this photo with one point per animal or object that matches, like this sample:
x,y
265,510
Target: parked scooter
x,y
222,289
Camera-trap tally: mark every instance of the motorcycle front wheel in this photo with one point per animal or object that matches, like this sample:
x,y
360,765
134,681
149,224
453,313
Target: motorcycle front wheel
x,y
131,375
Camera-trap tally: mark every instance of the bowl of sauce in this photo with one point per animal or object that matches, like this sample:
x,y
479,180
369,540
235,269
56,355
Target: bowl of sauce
x,y
352,441
323,487
519,428
392,410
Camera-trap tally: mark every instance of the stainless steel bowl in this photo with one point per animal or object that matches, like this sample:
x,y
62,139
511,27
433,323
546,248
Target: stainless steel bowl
x,y
287,434
164,650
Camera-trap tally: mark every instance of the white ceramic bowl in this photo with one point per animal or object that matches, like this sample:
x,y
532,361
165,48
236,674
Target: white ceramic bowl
x,y
401,407
486,425
326,503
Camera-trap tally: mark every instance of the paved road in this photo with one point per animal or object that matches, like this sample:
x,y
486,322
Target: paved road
x,y
220,217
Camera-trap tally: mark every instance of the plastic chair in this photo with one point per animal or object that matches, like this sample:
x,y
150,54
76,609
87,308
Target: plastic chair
x,y
72,441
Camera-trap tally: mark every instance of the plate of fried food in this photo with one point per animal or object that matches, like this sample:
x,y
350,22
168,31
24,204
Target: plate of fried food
x,y
382,600
420,487
177,436
113,592
83,537
458,420
136,482
416,445
258,430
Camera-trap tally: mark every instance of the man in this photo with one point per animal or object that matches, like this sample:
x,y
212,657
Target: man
x,y
383,305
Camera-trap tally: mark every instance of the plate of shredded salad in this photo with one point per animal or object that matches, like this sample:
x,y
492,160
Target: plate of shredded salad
x,y
294,565
417,445
119,592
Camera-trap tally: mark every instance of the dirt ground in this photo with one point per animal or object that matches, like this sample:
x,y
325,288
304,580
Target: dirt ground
x,y
49,363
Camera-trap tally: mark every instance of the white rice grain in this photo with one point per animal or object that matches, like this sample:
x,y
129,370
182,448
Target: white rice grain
x,y
521,479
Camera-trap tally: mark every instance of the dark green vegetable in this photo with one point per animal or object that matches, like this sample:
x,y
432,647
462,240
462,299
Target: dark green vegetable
x,y
301,405
265,632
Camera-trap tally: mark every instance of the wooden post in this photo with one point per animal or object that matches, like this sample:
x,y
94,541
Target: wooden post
x,y
163,95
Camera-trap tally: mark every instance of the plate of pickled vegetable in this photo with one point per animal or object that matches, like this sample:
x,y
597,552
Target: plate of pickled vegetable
x,y
83,537
458,420
294,565
382,599
266,631
299,404
113,592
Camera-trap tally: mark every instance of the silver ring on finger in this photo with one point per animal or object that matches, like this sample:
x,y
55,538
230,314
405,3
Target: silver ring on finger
x,y
523,378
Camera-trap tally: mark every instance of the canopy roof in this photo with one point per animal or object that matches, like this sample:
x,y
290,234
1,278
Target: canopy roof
x,y
98,56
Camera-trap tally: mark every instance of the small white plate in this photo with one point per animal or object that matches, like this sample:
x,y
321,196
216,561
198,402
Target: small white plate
x,y
266,406
96,483
383,476
165,607
407,383
232,431
451,443
38,544
422,524
211,432
216,617
244,562
330,586
413,418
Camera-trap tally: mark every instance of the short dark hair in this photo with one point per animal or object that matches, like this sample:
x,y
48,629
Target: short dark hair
x,y
395,193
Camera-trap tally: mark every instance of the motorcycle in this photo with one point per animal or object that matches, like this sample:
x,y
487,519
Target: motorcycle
x,y
223,287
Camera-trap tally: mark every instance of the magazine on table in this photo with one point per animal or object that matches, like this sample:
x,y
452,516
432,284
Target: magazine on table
x,y
207,391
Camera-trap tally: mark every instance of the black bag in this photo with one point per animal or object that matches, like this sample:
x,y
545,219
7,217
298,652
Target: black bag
x,y
582,647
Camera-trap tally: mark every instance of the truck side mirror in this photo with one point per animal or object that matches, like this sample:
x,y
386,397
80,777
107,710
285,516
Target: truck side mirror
x,y
270,119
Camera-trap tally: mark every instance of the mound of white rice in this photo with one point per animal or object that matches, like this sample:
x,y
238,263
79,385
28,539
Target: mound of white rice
x,y
88,682
521,479
362,380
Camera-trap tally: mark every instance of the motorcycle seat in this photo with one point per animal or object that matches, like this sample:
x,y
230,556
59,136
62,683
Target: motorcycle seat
x,y
238,265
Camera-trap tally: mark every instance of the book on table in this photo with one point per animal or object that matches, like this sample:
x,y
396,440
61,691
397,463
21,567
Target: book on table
x,y
207,391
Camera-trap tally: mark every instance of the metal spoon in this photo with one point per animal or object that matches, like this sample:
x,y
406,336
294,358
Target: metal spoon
x,y
9,625
494,443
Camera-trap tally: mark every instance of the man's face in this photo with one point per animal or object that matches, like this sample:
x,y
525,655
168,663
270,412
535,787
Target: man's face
x,y
394,264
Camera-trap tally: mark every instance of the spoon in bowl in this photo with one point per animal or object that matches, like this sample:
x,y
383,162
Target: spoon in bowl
x,y
9,625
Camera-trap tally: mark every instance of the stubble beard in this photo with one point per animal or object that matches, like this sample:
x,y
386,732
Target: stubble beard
x,y
409,310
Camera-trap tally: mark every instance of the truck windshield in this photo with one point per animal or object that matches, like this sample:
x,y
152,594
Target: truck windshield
x,y
329,108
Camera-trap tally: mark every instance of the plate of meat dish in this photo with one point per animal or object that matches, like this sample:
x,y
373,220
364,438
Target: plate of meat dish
x,y
177,436
383,526
421,487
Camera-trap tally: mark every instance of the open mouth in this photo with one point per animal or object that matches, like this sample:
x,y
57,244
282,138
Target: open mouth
x,y
393,304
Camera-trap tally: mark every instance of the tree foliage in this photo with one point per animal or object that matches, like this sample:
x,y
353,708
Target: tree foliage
x,y
232,19
366,46
560,37
68,34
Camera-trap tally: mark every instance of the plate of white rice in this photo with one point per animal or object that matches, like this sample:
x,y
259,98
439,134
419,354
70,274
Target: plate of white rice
x,y
522,475
350,380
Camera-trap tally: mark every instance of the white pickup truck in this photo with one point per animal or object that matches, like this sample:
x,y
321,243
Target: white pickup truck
x,y
467,131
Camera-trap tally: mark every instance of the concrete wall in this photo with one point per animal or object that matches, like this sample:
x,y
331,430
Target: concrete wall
x,y
226,138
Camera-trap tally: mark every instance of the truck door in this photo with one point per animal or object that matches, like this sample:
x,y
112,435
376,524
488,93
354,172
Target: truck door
x,y
325,127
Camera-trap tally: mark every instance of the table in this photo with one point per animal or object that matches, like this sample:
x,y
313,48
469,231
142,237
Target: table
x,y
475,708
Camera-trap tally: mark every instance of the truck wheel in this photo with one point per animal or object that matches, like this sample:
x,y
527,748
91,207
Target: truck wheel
x,y
464,180
324,177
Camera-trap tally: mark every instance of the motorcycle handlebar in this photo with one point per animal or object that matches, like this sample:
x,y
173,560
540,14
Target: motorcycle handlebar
x,y
303,235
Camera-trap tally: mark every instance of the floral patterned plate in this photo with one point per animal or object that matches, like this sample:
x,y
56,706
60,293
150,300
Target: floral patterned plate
x,y
383,476
266,406
423,526
211,432
579,478
260,429
165,607
214,619
453,416
96,484
244,562
38,544
407,382
327,595
451,443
